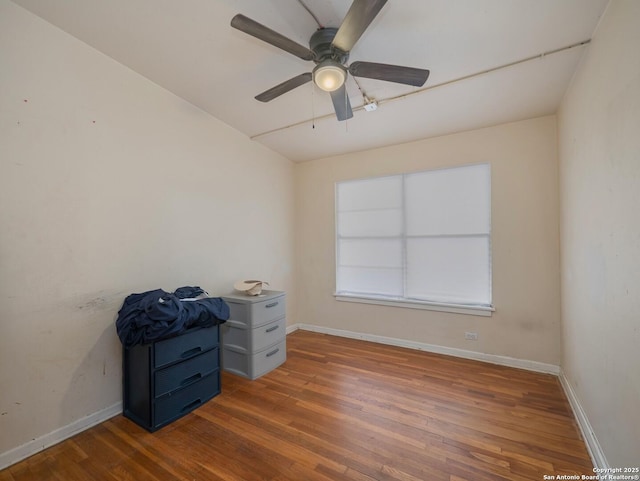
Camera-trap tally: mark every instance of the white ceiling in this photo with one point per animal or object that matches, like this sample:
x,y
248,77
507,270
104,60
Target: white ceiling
x,y
476,50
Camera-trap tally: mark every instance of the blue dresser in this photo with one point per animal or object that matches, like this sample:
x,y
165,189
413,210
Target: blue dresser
x,y
167,379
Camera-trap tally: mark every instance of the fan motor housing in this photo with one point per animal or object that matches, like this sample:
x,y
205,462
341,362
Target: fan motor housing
x,y
320,43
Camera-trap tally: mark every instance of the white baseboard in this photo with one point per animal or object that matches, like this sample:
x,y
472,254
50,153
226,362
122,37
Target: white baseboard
x,y
54,437
421,346
593,446
293,328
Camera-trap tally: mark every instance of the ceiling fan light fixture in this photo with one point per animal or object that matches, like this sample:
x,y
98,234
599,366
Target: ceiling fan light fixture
x,y
329,75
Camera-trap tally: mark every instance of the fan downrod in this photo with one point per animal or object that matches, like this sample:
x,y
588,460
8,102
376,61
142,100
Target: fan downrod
x,y
320,44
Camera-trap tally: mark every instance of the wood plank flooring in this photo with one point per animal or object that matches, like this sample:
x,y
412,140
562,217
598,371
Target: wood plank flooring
x,y
342,409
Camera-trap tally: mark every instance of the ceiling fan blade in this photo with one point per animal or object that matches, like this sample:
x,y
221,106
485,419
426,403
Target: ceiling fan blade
x,y
358,18
272,37
341,103
284,87
391,73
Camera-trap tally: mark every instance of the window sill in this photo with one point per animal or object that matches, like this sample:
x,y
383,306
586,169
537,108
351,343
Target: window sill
x,y
414,304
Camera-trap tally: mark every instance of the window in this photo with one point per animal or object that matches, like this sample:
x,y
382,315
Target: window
x,y
420,238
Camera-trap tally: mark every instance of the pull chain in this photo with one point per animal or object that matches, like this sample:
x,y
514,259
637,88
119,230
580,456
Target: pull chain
x,y
313,108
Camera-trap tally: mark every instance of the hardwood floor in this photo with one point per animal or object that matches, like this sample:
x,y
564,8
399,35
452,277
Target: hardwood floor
x,y
342,409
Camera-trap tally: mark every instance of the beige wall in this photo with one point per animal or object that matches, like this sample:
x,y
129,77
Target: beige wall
x,y
599,138
524,237
111,185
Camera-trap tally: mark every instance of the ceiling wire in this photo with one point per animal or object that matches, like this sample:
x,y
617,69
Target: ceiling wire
x,y
501,67
431,87
364,96
311,13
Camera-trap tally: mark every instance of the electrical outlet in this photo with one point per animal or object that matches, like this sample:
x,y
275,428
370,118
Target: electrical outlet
x,y
471,336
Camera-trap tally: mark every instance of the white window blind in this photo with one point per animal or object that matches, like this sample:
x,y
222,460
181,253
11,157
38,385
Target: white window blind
x,y
424,236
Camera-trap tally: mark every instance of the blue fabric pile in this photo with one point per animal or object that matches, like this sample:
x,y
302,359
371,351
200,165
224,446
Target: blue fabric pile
x,y
153,315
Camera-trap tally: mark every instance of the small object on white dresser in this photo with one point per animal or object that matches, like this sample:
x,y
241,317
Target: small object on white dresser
x,y
250,287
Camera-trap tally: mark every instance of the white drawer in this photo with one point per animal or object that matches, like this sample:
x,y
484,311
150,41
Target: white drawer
x,y
236,336
267,311
236,362
255,365
268,334
256,311
268,359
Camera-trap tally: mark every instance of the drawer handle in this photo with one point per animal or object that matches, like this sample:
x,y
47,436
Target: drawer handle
x,y
191,379
269,354
273,304
191,405
191,352
271,329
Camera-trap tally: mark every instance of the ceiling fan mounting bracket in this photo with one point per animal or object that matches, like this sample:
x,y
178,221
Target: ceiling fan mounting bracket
x,y
321,45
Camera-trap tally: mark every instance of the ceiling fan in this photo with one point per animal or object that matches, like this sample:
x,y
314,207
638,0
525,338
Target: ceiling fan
x,y
329,49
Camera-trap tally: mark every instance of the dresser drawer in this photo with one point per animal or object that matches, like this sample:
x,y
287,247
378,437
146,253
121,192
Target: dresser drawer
x,y
268,359
185,346
235,335
172,406
185,373
268,334
267,311
238,337
255,311
256,364
236,361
